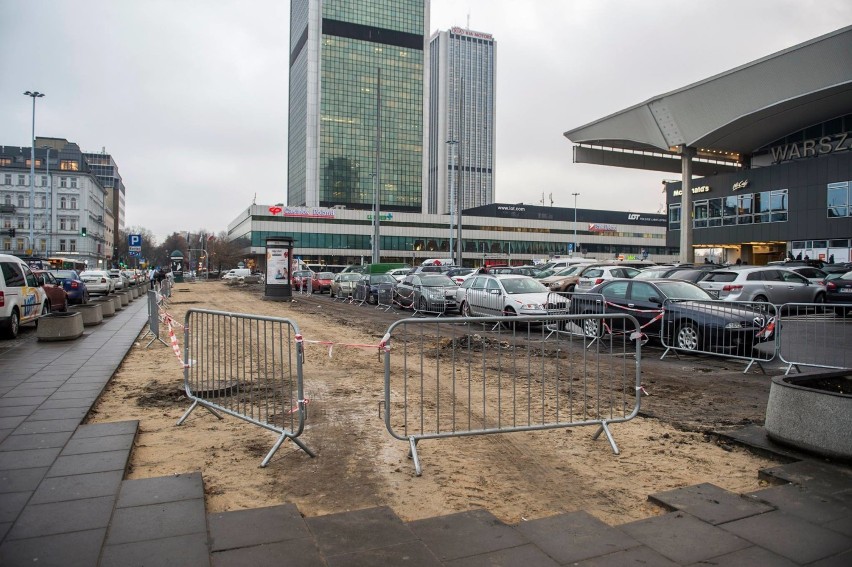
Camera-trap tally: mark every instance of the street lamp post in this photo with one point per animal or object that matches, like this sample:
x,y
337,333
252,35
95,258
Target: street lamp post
x,y
49,197
575,224
34,95
451,144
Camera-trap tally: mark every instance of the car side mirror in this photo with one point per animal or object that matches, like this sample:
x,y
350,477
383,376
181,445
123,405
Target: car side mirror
x,y
40,280
655,300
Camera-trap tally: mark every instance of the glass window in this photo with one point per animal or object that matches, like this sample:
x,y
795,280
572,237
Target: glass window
x,y
63,182
714,212
744,208
762,203
778,202
674,217
838,200
69,165
699,214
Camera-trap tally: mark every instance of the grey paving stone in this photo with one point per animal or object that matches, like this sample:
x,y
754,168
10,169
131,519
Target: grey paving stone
x,y
349,532
683,538
59,413
710,503
465,534
62,404
413,553
107,429
11,504
189,550
575,536
78,446
36,441
24,391
77,549
81,387
51,426
141,492
77,486
11,422
39,520
839,560
84,395
640,556
29,458
243,528
799,501
90,463
21,480
15,411
790,536
527,555
25,401
819,477
840,525
293,553
169,519
748,557
4,529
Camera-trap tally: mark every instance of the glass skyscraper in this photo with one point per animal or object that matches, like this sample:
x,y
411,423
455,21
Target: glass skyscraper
x,y
461,120
337,49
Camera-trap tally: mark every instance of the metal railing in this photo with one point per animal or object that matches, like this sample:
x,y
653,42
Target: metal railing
x,y
249,367
817,335
452,377
740,330
153,299
384,299
362,290
305,287
567,303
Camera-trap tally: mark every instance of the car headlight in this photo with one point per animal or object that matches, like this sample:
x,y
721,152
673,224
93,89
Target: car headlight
x,y
534,306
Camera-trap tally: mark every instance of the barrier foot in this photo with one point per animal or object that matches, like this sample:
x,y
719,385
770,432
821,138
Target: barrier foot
x,y
303,447
754,361
192,407
604,429
667,352
790,366
157,339
272,451
412,454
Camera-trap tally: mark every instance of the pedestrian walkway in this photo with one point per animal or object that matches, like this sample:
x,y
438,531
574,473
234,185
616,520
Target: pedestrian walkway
x,y
64,500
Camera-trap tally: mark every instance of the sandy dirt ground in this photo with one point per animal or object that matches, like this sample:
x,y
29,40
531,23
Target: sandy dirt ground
x,y
516,476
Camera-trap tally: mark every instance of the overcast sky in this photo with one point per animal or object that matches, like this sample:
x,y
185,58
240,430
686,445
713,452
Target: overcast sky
x,y
190,97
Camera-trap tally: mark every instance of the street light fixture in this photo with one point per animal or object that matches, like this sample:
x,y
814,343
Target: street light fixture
x,y
34,95
451,143
575,224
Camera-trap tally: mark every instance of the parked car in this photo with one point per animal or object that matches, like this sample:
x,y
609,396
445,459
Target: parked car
x,y
74,286
98,282
525,270
694,321
236,274
22,300
432,269
761,284
813,275
839,290
661,272
301,278
399,273
56,294
487,295
344,284
598,274
373,282
565,279
693,275
427,292
121,282
458,275
322,282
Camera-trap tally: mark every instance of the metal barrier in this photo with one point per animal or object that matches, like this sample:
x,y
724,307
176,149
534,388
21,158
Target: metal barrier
x,y
453,377
741,330
153,318
305,287
817,335
361,293
249,367
576,303
429,303
384,299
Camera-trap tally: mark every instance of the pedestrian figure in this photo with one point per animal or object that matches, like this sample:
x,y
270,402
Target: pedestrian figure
x,y
799,256
739,262
831,259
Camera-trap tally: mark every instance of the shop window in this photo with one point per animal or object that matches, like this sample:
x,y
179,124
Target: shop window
x,y
744,209
674,217
714,212
838,200
778,202
699,214
762,204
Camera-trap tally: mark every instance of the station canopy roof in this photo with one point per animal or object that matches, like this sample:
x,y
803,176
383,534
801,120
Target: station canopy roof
x,y
729,116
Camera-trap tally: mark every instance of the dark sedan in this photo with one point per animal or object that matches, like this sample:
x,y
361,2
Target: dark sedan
x,y
374,281
839,290
690,320
427,292
73,286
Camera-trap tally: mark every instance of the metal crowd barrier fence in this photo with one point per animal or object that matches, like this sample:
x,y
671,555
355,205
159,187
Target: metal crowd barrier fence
x,y
305,287
577,303
817,335
153,319
429,302
453,377
249,367
741,330
384,299
361,293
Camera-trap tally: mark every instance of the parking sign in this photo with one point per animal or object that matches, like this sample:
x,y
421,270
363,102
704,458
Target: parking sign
x,y
134,242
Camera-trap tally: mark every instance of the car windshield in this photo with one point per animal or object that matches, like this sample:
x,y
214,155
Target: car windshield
x,y
568,271
522,285
381,278
65,274
325,276
350,277
721,277
682,290
650,274
436,281
302,274
543,274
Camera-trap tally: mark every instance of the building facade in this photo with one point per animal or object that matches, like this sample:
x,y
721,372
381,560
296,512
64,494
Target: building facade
x,y
104,167
348,59
462,132
71,212
496,233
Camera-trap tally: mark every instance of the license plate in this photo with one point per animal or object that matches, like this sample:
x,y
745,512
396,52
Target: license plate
x,y
714,293
846,290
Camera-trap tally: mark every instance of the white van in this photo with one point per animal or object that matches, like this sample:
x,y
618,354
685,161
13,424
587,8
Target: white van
x,y
22,300
563,263
236,274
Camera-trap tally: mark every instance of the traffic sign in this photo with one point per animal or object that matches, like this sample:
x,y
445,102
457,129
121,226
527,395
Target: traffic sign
x,y
134,242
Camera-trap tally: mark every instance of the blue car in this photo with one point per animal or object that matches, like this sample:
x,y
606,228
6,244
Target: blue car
x,y
73,286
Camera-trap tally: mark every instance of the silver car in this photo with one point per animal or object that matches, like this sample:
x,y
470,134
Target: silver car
x,y
487,295
98,282
762,284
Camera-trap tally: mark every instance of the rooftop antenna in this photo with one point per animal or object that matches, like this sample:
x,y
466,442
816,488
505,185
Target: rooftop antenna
x,y
468,19
551,199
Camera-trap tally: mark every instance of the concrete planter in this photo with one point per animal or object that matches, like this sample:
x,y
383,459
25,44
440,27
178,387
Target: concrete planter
x,y
124,297
814,419
107,306
92,313
60,327
134,290
116,301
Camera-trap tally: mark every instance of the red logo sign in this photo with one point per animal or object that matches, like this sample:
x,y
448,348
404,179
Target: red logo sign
x,y
275,210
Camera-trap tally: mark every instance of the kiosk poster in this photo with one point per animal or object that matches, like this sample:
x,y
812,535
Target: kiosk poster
x,y
277,265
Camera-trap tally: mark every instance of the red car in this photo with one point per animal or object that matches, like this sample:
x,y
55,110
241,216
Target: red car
x,y
322,282
56,294
301,278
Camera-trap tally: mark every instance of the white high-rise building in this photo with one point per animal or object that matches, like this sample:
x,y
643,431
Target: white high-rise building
x,y
461,120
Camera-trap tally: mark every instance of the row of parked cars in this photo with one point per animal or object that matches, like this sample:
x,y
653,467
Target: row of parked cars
x,y
27,294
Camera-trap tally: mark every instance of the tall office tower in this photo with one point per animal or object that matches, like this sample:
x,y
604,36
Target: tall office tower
x,y
340,52
461,120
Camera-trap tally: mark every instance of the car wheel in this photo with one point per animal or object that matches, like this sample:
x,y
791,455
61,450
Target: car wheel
x,y
592,328
13,326
465,309
761,299
65,305
687,336
820,298
86,298
570,288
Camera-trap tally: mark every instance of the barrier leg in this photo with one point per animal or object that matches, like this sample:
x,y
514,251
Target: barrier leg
x,y
412,454
754,361
192,407
604,429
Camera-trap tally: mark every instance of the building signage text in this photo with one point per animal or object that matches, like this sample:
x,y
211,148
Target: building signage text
x,y
512,208
304,212
699,189
382,216
740,185
462,31
811,148
599,227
